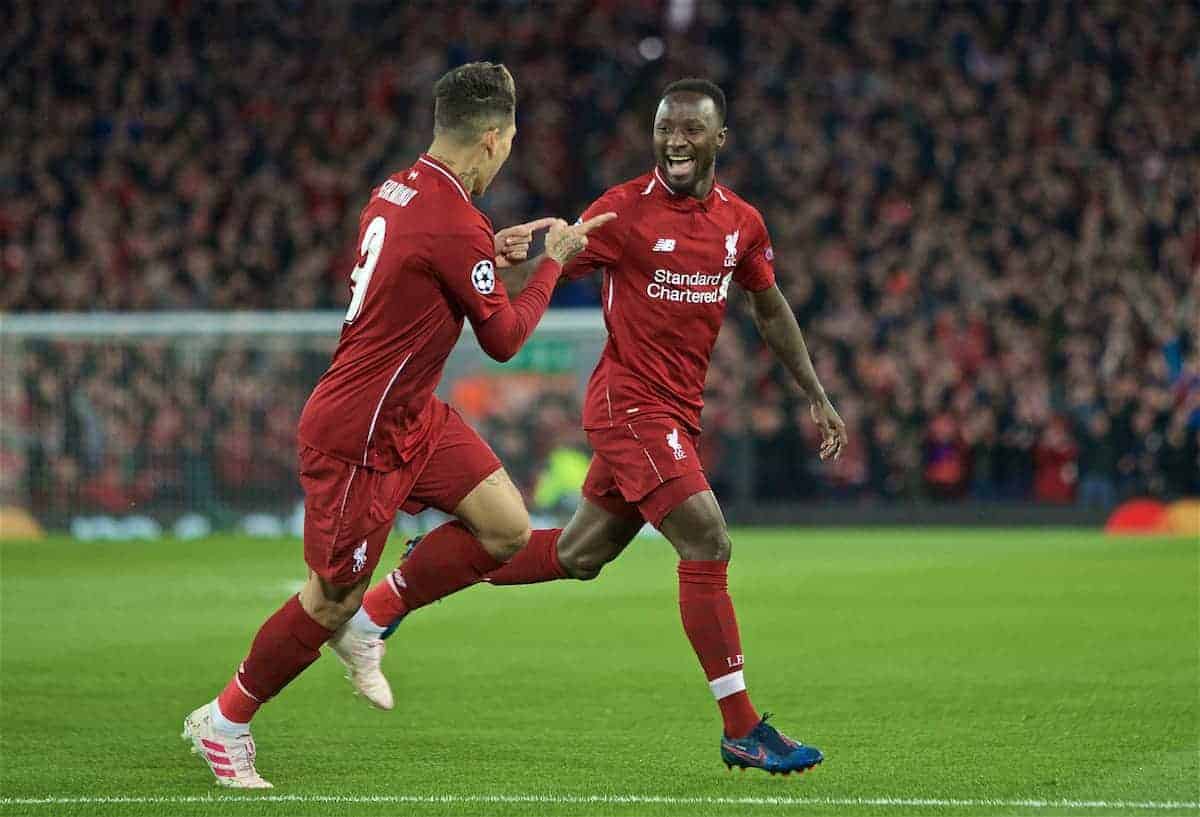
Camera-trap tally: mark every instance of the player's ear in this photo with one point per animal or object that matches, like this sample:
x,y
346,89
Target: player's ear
x,y
721,137
491,141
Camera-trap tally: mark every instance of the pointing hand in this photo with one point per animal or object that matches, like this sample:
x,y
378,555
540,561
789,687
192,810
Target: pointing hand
x,y
512,243
565,241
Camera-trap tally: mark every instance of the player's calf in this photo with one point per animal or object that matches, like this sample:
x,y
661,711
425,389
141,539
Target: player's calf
x,y
594,537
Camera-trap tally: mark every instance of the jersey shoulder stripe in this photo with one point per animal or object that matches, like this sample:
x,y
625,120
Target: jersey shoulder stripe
x,y
737,201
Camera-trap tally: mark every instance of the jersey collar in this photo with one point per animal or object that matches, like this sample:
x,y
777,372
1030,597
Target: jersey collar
x,y
441,168
658,185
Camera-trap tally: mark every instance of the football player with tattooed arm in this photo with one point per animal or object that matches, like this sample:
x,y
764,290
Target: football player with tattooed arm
x,y
373,437
667,261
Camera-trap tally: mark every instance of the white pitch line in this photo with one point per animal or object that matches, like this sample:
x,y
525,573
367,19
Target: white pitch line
x,y
608,799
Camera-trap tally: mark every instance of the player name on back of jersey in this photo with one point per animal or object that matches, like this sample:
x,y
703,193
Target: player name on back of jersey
x,y
396,193
666,286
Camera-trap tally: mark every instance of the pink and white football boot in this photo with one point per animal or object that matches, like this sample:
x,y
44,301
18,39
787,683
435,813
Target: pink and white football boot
x,y
229,756
362,655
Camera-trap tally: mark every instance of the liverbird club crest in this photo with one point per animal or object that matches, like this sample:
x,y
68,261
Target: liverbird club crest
x,y
731,241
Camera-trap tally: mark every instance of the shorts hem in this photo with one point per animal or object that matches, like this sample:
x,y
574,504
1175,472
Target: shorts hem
x,y
658,504
615,505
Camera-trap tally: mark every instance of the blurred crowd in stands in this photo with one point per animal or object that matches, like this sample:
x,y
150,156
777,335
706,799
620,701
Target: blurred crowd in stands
x,y
120,428
986,215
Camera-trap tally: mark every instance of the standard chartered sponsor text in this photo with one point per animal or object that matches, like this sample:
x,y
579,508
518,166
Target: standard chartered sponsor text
x,y
663,287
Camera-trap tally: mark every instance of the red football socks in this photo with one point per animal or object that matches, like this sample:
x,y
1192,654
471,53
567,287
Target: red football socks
x,y
710,624
536,562
287,642
445,561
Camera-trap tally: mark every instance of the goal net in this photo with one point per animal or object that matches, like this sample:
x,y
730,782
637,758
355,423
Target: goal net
x,y
120,425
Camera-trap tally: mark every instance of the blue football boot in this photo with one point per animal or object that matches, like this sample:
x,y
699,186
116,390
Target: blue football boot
x,y
408,549
769,749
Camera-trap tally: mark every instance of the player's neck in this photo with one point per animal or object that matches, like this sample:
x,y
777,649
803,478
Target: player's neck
x,y
459,161
698,191
704,187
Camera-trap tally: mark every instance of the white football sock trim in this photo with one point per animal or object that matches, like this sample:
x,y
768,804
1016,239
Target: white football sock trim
x,y
727,685
223,724
363,623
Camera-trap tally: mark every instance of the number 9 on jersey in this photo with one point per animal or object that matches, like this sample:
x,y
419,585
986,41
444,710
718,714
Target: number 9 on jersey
x,y
360,276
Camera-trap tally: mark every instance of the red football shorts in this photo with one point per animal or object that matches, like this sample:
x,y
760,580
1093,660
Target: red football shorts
x,y
643,469
349,509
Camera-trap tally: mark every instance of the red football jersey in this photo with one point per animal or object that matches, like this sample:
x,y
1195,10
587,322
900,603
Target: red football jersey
x,y
426,261
667,261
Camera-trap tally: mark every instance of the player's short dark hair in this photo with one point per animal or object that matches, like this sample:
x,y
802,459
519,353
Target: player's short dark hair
x,y
473,98
704,87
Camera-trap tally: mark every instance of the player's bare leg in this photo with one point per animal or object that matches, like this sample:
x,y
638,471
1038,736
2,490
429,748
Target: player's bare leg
x,y
329,604
495,514
697,530
285,645
492,525
590,540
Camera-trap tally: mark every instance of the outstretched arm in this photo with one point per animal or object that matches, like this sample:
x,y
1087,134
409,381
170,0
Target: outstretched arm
x,y
777,325
504,332
516,276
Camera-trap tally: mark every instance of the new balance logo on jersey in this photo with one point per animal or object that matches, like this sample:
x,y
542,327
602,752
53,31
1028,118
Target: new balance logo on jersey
x,y
731,241
360,556
676,448
664,245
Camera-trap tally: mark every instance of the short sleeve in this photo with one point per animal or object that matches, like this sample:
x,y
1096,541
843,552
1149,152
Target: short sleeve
x,y
464,262
756,270
605,242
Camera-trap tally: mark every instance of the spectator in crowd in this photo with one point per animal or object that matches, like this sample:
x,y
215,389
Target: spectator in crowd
x,y
1097,462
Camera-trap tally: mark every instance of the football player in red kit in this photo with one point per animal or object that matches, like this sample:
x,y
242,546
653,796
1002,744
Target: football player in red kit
x,y
373,437
679,241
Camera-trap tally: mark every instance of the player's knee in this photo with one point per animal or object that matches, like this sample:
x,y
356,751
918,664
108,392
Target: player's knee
x,y
582,566
711,545
504,538
583,561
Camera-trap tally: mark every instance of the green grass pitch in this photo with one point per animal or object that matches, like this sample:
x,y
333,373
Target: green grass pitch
x,y
957,672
